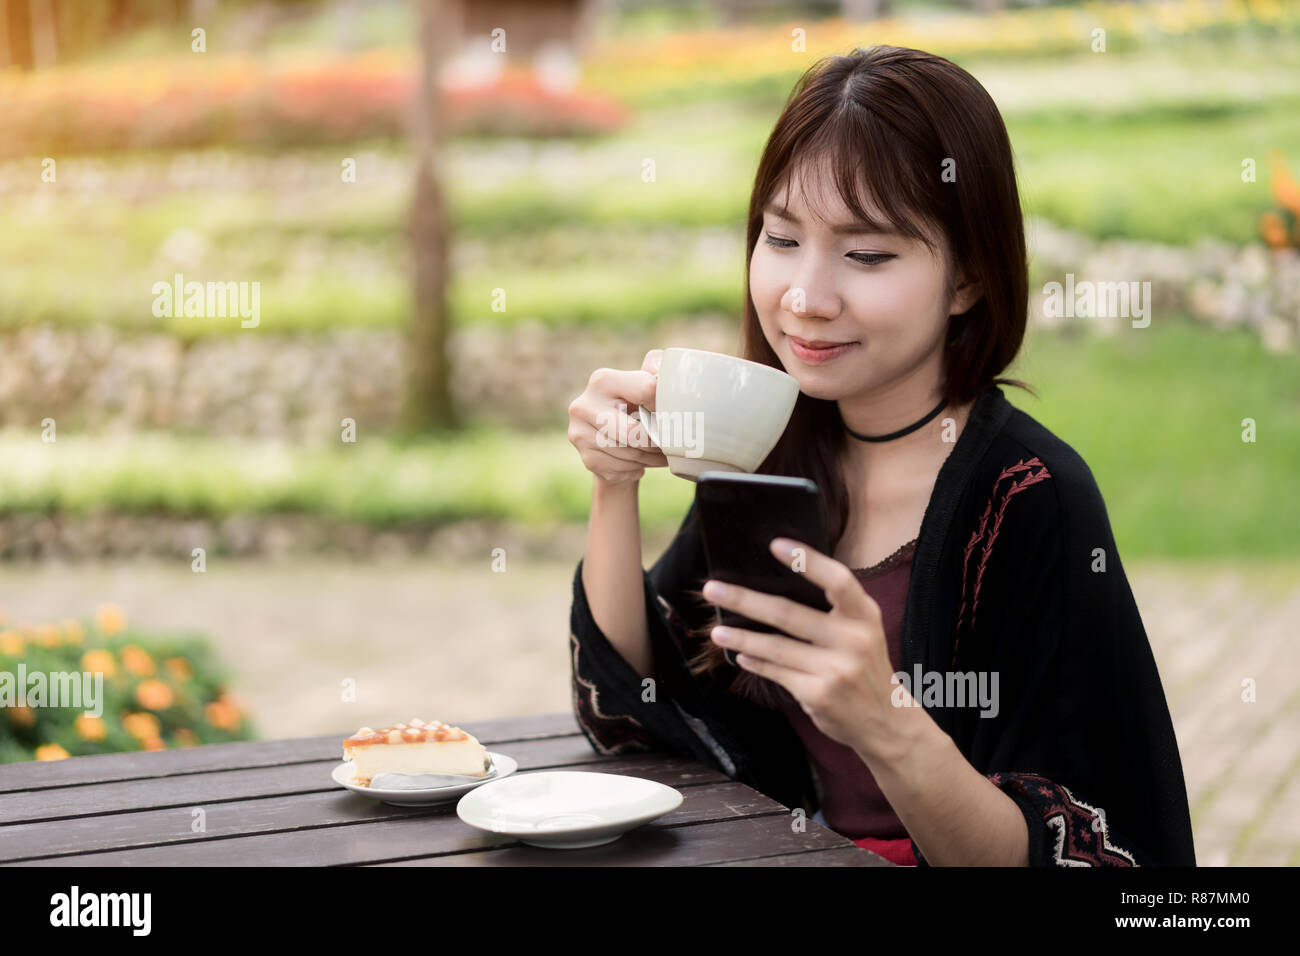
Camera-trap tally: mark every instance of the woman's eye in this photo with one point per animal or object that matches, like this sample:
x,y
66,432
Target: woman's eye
x,y
866,258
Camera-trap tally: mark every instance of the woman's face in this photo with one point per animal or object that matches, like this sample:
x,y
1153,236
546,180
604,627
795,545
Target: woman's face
x,y
881,295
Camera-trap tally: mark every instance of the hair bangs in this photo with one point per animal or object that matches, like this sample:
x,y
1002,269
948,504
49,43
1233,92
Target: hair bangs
x,y
875,180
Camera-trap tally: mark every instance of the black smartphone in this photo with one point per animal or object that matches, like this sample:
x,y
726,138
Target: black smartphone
x,y
739,515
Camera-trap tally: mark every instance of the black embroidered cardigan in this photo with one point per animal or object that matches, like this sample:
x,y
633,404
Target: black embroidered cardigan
x,y
1015,571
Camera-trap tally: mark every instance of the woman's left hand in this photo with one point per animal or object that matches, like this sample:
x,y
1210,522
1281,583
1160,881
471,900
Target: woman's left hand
x,y
842,677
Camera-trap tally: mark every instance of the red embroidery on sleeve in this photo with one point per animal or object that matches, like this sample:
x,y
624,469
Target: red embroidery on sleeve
x,y
1079,830
1031,472
607,733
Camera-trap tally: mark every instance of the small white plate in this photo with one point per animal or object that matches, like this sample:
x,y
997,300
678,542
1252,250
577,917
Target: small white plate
x,y
566,809
424,798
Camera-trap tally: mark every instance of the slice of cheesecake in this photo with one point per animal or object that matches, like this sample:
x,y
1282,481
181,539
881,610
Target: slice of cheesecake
x,y
416,747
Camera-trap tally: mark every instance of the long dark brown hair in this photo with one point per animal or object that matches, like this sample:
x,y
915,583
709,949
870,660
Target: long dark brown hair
x,y
893,119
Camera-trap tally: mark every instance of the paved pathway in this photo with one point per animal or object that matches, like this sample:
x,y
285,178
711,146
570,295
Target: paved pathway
x,y
464,643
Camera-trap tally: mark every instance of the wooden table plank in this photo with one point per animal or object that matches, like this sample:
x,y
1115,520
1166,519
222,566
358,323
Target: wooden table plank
x,y
835,856
438,831
273,803
197,789
662,844
299,811
105,768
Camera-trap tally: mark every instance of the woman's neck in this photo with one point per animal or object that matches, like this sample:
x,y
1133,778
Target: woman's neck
x,y
886,412
921,451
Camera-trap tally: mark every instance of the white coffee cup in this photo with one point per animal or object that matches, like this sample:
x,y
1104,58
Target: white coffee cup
x,y
716,412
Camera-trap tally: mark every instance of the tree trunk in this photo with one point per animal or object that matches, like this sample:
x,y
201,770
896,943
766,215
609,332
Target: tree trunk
x,y
45,44
18,32
428,372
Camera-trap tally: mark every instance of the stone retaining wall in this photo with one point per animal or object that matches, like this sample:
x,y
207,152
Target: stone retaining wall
x,y
302,386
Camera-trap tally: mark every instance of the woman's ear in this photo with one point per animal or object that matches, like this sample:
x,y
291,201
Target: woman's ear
x,y
965,296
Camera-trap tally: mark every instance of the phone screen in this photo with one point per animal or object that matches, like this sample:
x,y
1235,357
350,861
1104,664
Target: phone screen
x,y
739,515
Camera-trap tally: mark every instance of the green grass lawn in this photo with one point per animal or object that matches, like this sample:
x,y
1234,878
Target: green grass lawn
x,y
1155,413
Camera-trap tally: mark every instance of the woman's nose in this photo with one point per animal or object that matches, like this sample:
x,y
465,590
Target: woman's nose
x,y
811,300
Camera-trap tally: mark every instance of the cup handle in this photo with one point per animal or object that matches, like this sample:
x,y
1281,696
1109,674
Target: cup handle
x,y
648,423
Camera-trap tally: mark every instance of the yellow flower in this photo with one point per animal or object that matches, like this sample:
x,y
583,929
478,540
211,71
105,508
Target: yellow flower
x,y
137,661
11,643
51,752
141,726
73,631
22,716
110,619
222,713
186,737
153,743
179,668
47,635
99,662
153,694
90,728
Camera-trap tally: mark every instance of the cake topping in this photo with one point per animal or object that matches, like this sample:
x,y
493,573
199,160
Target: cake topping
x,y
417,731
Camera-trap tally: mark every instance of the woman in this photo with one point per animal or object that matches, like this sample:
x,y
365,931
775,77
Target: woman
x,y
972,550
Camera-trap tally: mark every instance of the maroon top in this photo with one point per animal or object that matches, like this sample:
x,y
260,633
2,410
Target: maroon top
x,y
852,803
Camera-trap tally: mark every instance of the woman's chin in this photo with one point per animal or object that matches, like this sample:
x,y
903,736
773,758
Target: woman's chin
x,y
820,388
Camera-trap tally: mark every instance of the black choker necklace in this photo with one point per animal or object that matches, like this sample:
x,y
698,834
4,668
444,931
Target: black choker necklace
x,y
902,431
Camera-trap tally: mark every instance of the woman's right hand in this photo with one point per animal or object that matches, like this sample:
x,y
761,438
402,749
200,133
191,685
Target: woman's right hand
x,y
599,417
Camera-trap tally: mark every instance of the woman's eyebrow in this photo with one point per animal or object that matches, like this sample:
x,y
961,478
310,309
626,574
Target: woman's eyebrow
x,y
856,228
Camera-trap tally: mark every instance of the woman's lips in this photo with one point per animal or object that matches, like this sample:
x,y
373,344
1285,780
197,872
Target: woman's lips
x,y
809,355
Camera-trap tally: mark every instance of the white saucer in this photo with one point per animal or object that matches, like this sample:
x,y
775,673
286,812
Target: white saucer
x,y
566,809
424,798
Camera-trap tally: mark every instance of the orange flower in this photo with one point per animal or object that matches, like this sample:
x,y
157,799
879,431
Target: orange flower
x,y
47,635
99,662
186,737
136,660
90,728
22,716
110,619
11,643
153,694
73,631
222,713
1273,229
153,743
1285,189
179,668
51,752
141,726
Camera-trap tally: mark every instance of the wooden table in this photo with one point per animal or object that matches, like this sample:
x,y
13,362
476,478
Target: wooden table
x,y
273,803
